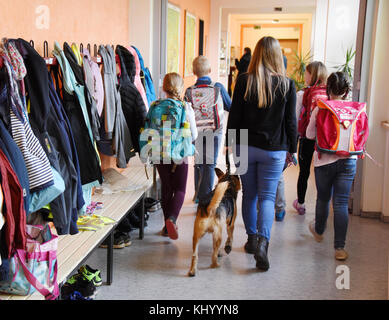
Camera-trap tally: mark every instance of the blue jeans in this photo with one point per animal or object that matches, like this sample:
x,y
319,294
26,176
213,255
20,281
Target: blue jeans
x,y
259,184
334,181
205,162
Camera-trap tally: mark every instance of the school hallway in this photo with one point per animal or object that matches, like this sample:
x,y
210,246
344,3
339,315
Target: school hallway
x,y
300,268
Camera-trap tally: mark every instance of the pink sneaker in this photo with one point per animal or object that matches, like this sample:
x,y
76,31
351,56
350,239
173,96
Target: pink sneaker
x,y
300,208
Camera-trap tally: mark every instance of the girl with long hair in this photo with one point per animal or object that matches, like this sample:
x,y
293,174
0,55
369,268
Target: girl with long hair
x,y
315,81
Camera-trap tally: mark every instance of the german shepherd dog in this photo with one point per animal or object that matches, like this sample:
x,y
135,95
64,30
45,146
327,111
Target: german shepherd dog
x,y
208,217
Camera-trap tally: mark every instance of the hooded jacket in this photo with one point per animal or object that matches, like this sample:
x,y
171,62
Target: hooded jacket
x,y
115,124
137,80
134,108
75,108
149,86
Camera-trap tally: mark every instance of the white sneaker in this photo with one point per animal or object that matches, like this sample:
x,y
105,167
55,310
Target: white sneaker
x,y
318,237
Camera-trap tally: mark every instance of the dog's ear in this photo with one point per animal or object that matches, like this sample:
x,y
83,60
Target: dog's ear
x,y
219,173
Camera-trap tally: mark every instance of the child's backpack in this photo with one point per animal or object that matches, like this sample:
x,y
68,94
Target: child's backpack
x,y
310,98
207,104
341,127
166,135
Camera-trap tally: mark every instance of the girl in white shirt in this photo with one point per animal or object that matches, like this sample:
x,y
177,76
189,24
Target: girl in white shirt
x,y
334,176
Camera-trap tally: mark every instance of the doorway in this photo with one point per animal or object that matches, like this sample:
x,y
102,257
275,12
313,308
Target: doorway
x,y
290,47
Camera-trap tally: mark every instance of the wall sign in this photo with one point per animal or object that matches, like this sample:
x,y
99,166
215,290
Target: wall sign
x,y
42,20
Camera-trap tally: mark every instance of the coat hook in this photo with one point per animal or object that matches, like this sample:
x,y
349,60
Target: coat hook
x,y
81,47
95,50
32,43
45,49
88,47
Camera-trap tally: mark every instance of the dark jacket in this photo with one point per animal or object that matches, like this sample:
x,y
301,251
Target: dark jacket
x,y
273,127
243,64
133,106
90,169
55,138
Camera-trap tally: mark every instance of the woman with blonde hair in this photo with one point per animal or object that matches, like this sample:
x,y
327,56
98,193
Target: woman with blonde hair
x,y
264,104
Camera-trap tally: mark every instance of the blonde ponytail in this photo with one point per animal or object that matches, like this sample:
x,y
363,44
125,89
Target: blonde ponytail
x,y
173,84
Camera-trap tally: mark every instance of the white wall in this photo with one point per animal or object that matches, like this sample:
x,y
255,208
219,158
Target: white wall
x,y
141,28
373,176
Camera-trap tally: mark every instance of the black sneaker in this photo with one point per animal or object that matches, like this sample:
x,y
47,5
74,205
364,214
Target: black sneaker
x,y
78,283
118,241
126,238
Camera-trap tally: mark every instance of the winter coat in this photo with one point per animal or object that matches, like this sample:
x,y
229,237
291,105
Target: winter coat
x,y
134,108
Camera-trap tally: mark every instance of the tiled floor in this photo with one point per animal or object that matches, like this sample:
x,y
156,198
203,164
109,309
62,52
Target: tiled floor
x,y
300,268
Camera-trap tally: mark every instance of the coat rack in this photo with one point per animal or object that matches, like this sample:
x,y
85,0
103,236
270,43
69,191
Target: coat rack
x,y
52,61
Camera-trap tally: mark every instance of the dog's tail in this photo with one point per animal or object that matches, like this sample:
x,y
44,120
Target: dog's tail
x,y
220,189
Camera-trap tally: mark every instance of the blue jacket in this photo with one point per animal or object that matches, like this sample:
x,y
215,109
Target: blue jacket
x,y
225,96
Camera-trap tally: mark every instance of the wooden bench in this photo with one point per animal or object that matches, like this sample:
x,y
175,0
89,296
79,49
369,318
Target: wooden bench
x,y
74,250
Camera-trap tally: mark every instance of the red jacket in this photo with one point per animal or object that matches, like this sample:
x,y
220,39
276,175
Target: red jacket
x,y
13,207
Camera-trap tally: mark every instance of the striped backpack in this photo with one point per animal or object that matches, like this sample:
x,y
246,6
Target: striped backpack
x,y
208,106
342,127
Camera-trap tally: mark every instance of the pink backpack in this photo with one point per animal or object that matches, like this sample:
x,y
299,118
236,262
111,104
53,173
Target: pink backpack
x,y
342,127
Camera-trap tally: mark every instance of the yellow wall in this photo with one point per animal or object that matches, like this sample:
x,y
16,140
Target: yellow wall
x,y
87,21
201,9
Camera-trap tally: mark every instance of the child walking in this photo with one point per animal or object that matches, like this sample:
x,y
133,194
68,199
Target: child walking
x,y
202,96
174,176
334,176
315,80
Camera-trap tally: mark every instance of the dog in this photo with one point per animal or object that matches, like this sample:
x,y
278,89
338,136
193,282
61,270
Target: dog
x,y
208,218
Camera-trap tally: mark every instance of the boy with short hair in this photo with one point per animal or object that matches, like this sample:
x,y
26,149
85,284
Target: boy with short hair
x,y
209,121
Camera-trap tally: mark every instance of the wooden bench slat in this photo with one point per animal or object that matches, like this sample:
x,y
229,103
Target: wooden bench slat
x,y
72,249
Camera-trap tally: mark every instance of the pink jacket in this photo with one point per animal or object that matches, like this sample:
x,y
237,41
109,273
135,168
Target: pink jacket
x,y
138,81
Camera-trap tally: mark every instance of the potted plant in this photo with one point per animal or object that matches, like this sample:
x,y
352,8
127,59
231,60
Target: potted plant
x,y
300,63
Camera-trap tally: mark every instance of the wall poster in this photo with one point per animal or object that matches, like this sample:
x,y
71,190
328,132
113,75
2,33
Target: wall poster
x,y
190,42
173,38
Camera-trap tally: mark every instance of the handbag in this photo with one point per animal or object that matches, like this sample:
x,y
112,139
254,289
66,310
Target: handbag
x,y
34,269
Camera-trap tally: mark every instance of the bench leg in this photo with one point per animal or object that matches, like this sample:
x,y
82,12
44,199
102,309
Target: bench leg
x,y
110,258
142,218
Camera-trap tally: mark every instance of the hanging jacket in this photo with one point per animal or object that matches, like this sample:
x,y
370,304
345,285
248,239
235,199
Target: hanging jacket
x,y
8,145
44,120
75,108
15,157
38,167
72,199
13,208
149,86
94,85
115,124
136,80
133,107
77,54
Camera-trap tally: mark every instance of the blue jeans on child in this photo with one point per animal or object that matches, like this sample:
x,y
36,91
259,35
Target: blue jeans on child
x,y
205,162
334,181
259,184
